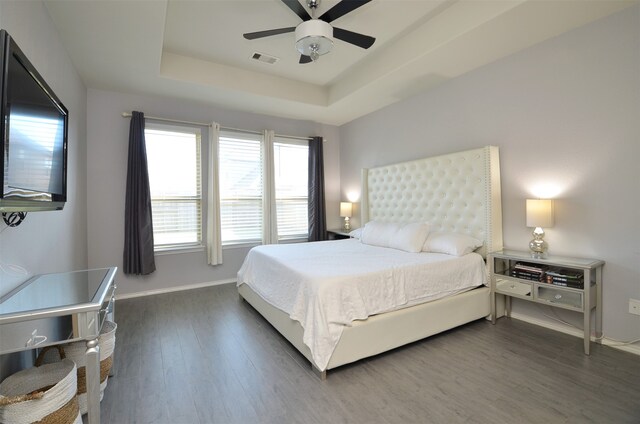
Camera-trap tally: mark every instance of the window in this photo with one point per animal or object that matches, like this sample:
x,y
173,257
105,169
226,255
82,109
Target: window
x,y
173,156
291,161
240,173
241,176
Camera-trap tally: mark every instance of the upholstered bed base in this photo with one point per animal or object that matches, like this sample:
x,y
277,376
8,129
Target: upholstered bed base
x,y
458,192
383,332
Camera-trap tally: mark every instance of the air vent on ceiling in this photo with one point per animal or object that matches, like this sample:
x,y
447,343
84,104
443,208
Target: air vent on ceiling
x,y
264,58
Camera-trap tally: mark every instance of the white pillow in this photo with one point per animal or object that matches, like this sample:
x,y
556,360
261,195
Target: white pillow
x,y
356,234
410,237
378,233
451,243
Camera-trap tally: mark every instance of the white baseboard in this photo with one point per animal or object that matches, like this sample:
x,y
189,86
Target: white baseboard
x,y
175,289
633,348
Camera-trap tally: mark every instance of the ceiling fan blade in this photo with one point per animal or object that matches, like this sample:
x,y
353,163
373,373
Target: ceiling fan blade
x,y
341,9
305,59
354,38
267,33
298,9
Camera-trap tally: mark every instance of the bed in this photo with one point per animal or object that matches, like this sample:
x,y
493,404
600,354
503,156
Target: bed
x,y
458,192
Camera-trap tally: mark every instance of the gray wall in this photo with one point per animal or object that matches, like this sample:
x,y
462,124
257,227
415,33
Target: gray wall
x,y
566,115
47,241
107,164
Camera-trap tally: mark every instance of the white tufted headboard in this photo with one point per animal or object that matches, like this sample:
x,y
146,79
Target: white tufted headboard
x,y
455,192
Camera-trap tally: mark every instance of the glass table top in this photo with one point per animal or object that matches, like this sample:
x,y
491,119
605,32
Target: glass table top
x,y
56,291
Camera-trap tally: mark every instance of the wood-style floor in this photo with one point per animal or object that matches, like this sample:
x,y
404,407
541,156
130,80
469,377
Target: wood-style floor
x,y
203,356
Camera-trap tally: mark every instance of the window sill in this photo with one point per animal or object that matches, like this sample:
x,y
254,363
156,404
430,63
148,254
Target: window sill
x,y
257,243
241,245
293,240
179,250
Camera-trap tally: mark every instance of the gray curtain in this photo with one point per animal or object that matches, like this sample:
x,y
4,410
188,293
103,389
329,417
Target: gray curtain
x,y
317,212
138,226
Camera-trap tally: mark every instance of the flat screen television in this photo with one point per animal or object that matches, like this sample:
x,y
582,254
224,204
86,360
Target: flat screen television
x,y
33,136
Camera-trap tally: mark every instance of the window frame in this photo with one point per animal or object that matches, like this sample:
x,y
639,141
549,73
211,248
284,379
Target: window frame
x,y
257,229
296,142
198,245
250,137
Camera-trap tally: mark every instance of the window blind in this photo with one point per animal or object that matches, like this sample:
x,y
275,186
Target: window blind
x,y
241,187
291,176
173,155
241,192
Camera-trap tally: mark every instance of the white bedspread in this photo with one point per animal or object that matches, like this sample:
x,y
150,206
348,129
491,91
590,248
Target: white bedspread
x,y
328,285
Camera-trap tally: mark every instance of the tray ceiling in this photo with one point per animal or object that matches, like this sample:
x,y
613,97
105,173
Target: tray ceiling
x,y
194,50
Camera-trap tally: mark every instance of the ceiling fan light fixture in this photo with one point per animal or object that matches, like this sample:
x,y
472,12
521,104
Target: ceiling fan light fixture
x,y
314,55
314,38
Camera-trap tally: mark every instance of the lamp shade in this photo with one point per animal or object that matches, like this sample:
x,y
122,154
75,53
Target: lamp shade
x,y
346,209
540,213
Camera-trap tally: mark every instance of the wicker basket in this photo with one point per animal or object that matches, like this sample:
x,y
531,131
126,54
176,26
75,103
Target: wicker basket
x,y
42,394
76,352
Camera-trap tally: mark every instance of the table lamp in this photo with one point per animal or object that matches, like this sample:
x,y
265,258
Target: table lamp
x,y
346,209
539,214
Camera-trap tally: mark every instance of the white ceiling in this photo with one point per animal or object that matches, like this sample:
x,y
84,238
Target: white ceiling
x,y
194,49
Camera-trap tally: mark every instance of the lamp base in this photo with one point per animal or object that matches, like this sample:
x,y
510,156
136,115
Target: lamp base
x,y
538,246
347,224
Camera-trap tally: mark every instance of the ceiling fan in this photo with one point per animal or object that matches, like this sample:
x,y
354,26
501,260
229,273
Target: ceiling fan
x,y
314,36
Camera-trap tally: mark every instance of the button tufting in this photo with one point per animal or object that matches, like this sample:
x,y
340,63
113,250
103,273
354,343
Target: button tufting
x,y
449,192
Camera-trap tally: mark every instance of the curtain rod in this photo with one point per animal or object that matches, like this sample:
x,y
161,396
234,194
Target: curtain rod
x,y
201,124
175,121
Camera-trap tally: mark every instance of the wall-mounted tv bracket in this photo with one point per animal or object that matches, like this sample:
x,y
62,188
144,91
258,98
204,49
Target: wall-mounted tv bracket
x,y
13,219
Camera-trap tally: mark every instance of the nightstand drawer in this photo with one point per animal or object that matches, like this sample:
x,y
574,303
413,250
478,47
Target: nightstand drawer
x,y
513,287
560,297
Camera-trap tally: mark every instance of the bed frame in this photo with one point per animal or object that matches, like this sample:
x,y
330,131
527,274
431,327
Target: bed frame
x,y
455,192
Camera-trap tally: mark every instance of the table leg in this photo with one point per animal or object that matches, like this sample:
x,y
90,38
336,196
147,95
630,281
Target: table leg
x,y
92,356
587,331
587,311
112,317
493,308
599,305
492,284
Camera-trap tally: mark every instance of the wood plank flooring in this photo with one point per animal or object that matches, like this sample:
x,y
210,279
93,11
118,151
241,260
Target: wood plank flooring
x,y
203,356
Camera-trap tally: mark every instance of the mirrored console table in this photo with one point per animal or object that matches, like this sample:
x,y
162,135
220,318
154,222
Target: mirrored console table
x,y
59,308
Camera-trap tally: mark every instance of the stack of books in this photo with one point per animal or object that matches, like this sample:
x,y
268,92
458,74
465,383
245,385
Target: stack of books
x,y
566,278
527,271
